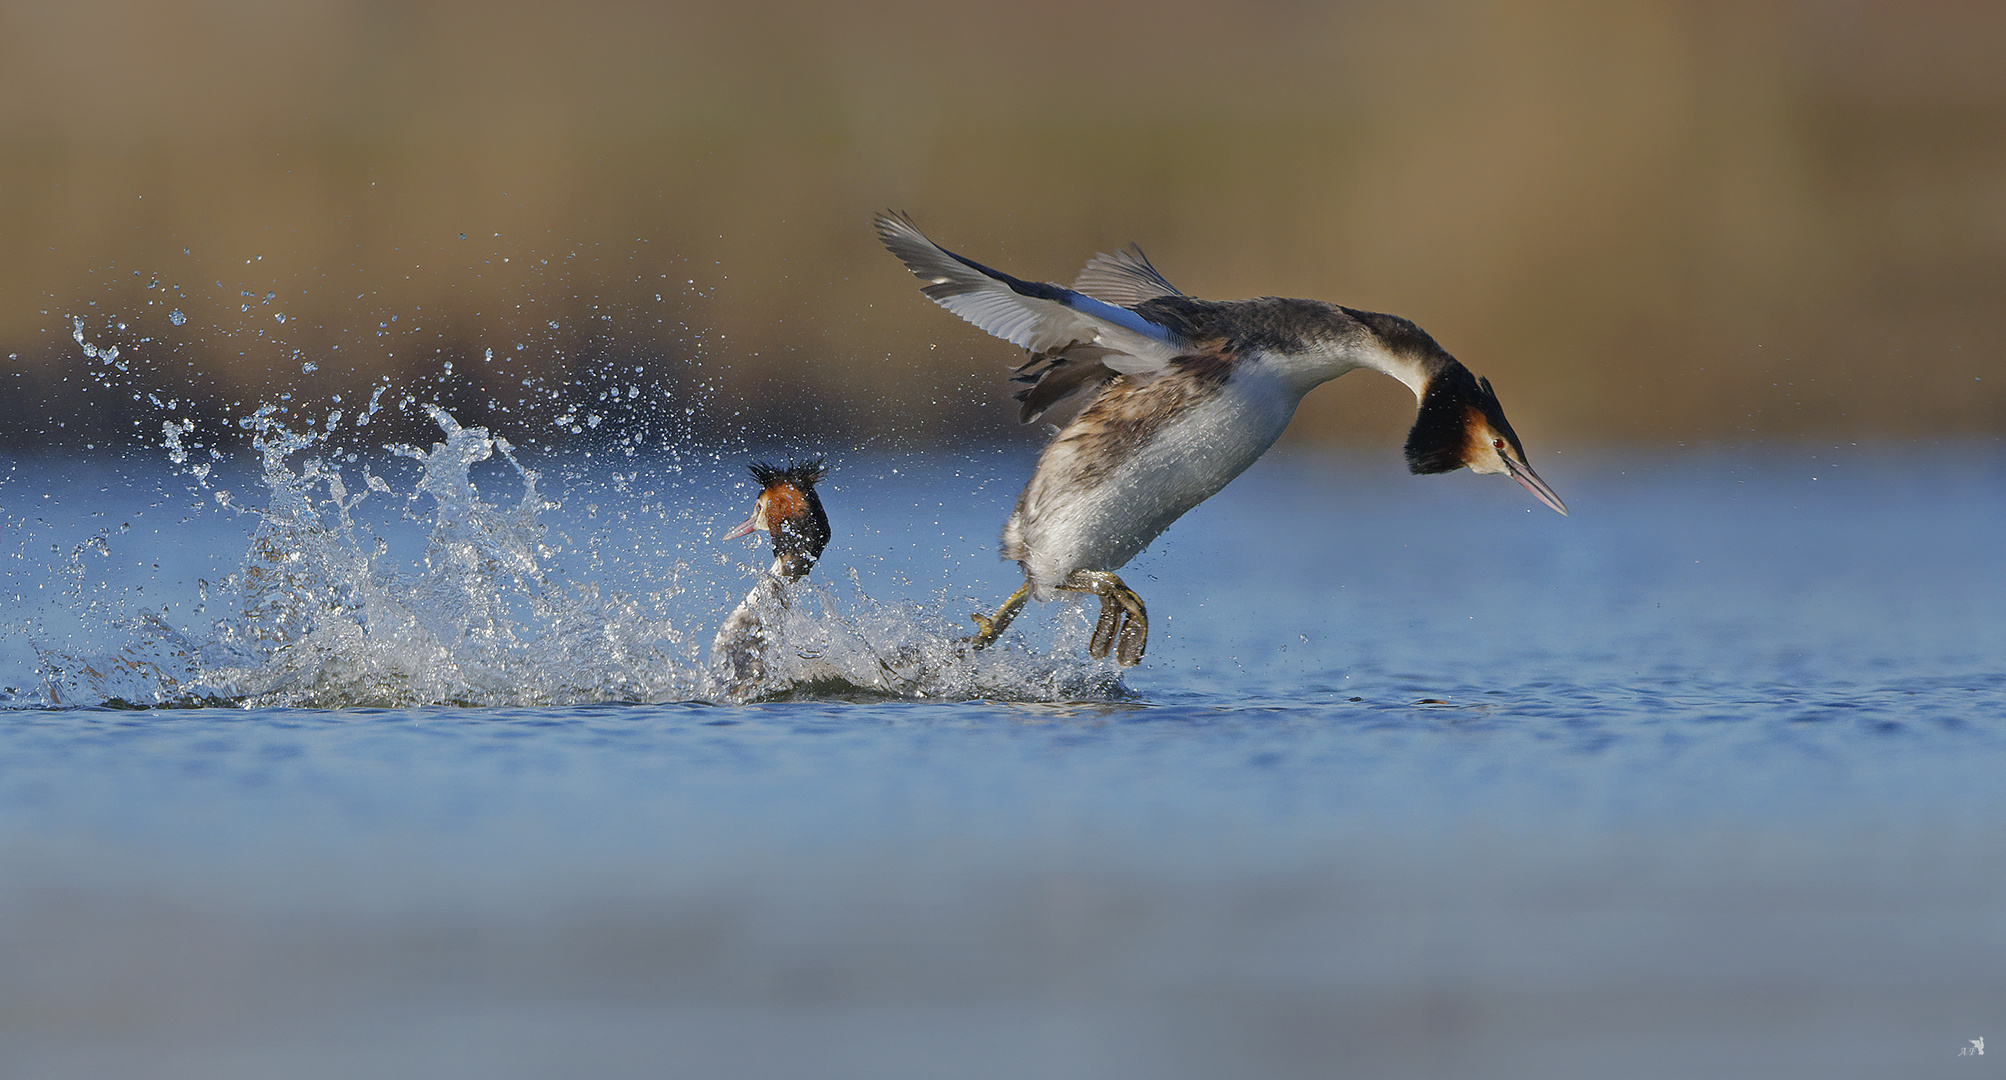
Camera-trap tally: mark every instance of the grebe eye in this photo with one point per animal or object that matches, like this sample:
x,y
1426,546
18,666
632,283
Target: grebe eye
x,y
1498,445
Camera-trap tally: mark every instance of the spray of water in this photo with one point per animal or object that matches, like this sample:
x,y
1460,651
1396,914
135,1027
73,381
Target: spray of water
x,y
486,602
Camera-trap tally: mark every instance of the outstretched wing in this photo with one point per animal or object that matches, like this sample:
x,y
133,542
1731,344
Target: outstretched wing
x,y
1047,319
1124,278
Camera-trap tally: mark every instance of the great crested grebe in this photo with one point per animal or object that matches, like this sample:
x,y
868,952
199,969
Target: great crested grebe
x,y
791,512
1161,398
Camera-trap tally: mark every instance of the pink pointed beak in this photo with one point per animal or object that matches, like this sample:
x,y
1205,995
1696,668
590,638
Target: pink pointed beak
x,y
756,521
1524,475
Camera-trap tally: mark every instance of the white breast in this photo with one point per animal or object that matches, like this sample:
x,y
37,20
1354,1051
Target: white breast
x,y
1091,506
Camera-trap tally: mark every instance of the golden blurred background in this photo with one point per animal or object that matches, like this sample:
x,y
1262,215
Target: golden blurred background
x,y
1647,221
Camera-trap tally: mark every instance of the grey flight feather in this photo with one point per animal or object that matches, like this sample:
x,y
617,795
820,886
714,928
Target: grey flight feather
x,y
1038,316
1124,278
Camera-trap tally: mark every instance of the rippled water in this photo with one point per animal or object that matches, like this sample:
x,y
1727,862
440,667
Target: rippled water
x,y
1418,779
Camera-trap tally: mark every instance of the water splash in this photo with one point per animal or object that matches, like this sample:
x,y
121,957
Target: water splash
x,y
833,643
325,611
443,574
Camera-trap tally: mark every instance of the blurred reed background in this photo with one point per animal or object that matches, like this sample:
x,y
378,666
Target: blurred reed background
x,y
1648,221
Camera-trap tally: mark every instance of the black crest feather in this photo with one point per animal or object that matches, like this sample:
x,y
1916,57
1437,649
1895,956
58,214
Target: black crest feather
x,y
804,475
1440,436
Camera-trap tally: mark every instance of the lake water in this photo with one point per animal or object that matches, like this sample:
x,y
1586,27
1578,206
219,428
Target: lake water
x,y
1417,779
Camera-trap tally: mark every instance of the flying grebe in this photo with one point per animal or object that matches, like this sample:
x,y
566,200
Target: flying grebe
x,y
1161,398
791,512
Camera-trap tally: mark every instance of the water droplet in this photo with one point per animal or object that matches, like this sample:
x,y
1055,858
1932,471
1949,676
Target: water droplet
x,y
309,367
176,317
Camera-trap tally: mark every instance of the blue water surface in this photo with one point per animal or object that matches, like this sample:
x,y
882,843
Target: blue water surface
x,y
1418,779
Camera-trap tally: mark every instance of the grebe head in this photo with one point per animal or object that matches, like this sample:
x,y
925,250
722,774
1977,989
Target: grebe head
x,y
1462,425
789,510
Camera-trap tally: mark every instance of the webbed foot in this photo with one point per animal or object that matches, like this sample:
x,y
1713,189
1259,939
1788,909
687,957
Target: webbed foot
x,y
1124,622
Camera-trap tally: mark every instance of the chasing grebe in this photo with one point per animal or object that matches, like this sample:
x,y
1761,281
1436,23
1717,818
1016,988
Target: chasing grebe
x,y
1161,398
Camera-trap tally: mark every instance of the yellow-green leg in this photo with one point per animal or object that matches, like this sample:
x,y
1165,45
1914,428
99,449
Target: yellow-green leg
x,y
1124,621
987,630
